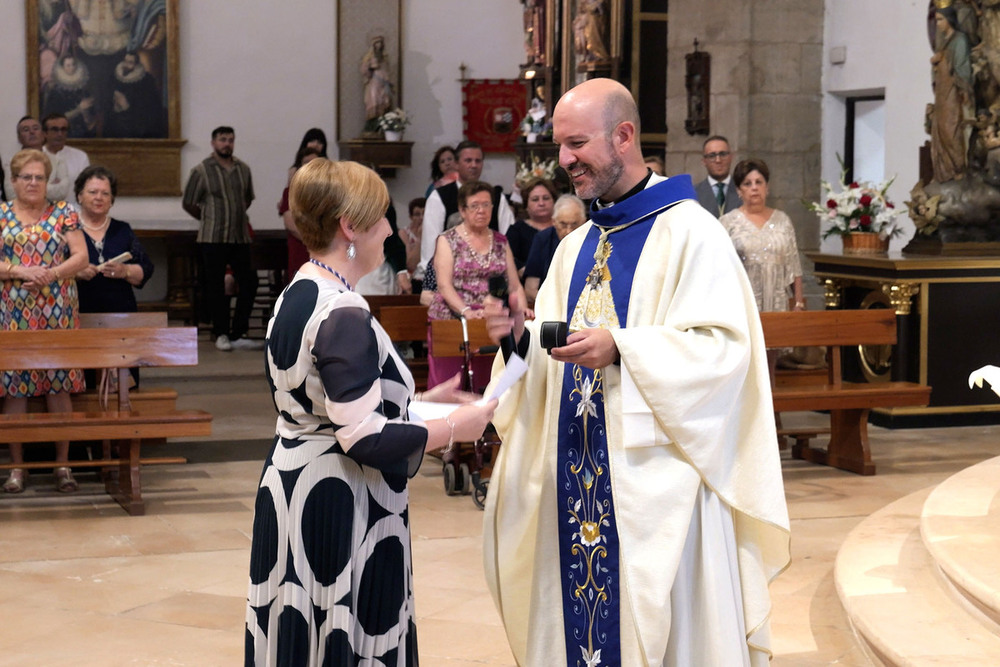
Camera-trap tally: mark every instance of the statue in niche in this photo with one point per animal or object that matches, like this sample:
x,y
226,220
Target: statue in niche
x,y
534,32
589,28
378,91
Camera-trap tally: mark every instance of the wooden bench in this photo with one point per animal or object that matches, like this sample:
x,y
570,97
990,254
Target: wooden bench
x,y
376,302
408,324
121,423
145,400
848,402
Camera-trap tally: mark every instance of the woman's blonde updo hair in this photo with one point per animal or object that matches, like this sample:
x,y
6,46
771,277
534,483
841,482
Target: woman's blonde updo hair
x,y
322,192
21,158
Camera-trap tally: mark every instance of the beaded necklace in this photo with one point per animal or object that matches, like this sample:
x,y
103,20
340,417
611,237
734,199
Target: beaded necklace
x,y
484,261
333,271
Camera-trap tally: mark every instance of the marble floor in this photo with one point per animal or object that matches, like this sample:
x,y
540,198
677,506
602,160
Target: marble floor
x,y
82,583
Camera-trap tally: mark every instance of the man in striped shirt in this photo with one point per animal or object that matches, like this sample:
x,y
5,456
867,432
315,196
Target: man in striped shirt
x,y
218,193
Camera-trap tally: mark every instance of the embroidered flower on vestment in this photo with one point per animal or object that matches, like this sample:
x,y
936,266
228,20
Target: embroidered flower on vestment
x,y
586,400
590,533
591,659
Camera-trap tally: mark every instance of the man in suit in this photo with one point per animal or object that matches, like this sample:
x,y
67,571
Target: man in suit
x,y
717,193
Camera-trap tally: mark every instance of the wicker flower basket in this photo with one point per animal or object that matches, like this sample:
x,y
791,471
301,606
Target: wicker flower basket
x,y
864,243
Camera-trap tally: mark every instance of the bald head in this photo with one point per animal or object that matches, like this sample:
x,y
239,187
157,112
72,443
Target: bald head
x,y
596,125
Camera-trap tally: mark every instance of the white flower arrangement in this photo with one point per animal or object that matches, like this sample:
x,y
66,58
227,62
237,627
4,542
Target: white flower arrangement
x,y
394,120
858,207
535,169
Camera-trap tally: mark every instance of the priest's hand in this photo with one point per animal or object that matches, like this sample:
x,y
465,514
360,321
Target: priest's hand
x,y
590,348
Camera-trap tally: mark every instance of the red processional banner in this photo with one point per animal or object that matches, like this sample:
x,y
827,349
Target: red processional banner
x,y
492,110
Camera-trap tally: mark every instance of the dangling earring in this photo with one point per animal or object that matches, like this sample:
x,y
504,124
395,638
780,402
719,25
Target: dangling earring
x,y
352,252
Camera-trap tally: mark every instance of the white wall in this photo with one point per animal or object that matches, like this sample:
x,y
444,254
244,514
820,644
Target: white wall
x,y
268,69
438,36
887,52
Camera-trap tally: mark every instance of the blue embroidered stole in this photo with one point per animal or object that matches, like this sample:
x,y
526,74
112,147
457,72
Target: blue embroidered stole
x,y
588,535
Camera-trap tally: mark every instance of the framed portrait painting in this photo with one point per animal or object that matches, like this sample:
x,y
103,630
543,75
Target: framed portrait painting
x,y
110,67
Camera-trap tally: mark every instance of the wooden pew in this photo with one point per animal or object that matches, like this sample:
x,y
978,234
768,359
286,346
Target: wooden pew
x,y
848,402
408,324
122,423
146,400
376,302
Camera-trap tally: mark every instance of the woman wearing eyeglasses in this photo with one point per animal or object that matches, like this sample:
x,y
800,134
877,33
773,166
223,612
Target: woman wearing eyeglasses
x,y
42,249
465,258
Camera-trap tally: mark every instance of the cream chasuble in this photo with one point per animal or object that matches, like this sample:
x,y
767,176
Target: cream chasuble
x,y
695,481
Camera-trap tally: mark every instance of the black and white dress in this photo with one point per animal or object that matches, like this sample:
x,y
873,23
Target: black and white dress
x,y
330,576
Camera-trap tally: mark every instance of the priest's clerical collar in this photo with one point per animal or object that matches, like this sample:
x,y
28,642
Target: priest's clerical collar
x,y
643,202
641,185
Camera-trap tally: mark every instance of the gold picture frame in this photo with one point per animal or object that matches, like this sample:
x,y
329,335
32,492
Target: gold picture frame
x,y
74,60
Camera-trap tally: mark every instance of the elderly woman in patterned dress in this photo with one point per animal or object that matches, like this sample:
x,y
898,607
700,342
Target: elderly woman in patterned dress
x,y
330,575
465,259
43,248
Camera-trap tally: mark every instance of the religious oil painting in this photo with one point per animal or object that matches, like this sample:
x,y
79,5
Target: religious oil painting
x,y
110,67
102,64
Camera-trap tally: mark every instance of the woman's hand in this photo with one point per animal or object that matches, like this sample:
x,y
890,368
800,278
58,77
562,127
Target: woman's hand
x,y
449,392
470,420
115,270
35,278
89,272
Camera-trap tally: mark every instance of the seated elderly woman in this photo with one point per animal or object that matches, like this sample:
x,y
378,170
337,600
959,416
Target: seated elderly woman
x,y
105,285
42,249
568,213
465,259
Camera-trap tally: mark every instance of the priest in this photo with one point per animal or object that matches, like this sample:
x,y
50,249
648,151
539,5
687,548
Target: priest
x,y
636,512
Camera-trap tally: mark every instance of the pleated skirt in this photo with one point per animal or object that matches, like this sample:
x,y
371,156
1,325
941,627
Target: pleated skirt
x,y
331,579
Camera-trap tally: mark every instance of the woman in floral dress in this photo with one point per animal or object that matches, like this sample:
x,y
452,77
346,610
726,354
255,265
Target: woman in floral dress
x,y
42,249
465,259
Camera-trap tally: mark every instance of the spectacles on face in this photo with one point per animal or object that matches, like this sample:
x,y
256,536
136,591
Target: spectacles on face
x,y
479,207
32,178
713,157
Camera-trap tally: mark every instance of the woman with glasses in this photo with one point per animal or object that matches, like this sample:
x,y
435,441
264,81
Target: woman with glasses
x,y
42,250
465,259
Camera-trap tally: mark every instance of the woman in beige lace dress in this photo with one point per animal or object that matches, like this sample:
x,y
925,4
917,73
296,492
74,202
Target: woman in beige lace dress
x,y
765,241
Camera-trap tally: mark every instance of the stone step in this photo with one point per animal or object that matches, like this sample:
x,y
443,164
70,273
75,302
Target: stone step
x,y
960,525
898,603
